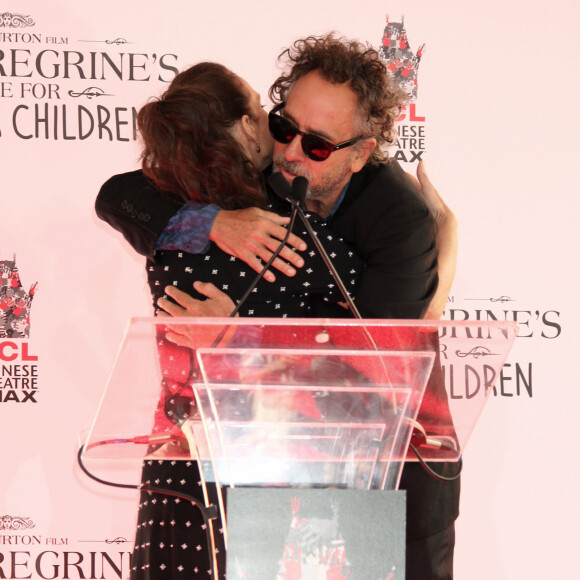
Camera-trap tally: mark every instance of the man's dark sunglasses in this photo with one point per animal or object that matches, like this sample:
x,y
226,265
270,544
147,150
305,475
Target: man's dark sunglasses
x,y
314,147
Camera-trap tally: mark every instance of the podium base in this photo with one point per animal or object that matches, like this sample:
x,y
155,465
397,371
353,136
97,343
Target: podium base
x,y
293,534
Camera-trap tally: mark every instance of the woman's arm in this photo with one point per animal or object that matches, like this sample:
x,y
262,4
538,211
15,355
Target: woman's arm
x,y
218,304
446,224
133,205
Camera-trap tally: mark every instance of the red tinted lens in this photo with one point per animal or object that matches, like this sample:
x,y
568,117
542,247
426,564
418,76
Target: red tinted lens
x,y
315,148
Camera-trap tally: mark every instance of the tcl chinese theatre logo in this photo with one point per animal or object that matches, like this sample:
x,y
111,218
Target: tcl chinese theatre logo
x,y
403,64
18,365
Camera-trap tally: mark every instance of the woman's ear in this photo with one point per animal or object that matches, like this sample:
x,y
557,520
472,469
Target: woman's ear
x,y
249,129
245,131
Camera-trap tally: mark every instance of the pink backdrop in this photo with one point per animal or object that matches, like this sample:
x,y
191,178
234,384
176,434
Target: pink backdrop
x,y
498,138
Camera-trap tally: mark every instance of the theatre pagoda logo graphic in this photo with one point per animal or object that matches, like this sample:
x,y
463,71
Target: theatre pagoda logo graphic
x,y
403,64
15,302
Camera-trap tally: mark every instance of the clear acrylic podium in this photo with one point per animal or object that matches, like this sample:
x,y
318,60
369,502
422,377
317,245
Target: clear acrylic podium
x,y
297,403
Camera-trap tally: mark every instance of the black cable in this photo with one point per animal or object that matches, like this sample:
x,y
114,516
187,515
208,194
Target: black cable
x,y
207,513
380,445
98,479
431,471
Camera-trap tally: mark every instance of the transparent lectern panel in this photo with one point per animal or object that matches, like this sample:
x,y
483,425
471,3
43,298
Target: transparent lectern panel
x,y
306,417
159,392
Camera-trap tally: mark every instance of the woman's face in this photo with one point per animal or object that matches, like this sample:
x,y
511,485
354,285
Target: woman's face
x,y
259,117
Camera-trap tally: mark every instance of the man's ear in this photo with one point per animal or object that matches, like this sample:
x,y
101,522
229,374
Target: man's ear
x,y
362,151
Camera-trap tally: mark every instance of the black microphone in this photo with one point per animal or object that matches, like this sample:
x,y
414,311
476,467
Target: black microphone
x,y
300,188
281,187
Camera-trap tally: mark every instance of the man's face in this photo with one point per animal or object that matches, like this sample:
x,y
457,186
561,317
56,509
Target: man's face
x,y
329,111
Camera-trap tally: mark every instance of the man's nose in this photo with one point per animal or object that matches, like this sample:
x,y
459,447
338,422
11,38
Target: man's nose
x,y
293,151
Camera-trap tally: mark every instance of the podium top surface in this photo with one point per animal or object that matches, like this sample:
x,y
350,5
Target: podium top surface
x,y
240,375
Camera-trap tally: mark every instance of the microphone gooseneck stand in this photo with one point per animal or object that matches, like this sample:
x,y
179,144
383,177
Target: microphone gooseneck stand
x,y
295,194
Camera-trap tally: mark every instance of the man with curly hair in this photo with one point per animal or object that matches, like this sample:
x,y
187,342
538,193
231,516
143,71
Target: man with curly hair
x,y
335,111
338,90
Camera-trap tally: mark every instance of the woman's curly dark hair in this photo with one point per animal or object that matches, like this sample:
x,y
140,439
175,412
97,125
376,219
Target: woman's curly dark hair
x,y
189,147
339,61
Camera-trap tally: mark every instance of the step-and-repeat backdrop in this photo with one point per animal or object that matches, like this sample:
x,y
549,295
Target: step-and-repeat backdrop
x,y
494,116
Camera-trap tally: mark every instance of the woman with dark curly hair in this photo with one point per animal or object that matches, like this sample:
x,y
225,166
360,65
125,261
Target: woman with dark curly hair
x,y
206,140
